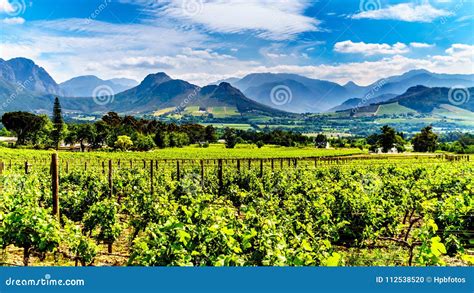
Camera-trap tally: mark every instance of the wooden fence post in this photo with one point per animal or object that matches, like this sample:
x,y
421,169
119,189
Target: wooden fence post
x,y
26,167
151,177
261,168
103,167
178,171
110,178
238,166
55,184
219,174
2,166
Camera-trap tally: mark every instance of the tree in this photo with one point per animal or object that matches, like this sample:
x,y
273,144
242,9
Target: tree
x,y
425,141
387,138
58,123
102,132
210,134
230,137
178,139
43,138
123,142
85,133
321,141
162,139
260,144
144,142
23,124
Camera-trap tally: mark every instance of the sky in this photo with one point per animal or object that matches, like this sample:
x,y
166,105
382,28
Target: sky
x,y
203,41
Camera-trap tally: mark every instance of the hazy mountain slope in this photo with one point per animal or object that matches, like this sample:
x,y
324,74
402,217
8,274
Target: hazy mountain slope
x,y
25,72
89,85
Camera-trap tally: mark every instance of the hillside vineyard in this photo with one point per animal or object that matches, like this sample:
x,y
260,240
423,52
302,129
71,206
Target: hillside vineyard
x,y
405,210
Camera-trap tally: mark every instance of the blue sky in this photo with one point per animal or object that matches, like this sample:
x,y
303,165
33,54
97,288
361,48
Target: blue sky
x,y
206,40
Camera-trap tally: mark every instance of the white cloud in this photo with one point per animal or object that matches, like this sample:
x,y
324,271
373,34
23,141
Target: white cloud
x,y
6,7
268,19
409,12
72,47
13,20
421,45
458,60
370,49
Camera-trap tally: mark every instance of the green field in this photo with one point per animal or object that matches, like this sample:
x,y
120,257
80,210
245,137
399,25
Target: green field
x,y
214,151
393,109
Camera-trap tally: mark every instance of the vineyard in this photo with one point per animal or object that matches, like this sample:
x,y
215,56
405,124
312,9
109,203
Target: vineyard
x,y
315,211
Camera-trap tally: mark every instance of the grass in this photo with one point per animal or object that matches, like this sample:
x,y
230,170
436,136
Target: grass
x,y
452,112
393,109
214,151
222,112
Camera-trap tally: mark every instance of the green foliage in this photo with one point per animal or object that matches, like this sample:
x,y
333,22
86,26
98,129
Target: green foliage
x,y
82,247
386,140
123,143
321,141
425,141
418,210
25,125
58,131
230,138
101,221
143,142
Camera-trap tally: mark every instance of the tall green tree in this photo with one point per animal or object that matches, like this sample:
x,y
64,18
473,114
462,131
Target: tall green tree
x,y
321,141
387,140
425,141
58,123
230,137
25,125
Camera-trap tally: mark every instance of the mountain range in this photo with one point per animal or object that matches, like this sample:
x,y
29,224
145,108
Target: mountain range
x,y
84,86
26,86
314,95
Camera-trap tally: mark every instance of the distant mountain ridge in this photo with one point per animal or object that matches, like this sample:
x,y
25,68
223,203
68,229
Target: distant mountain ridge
x,y
159,91
84,86
26,86
314,95
421,100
